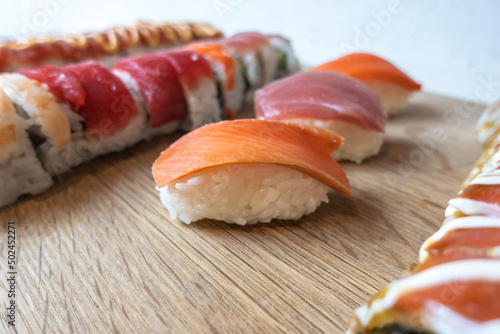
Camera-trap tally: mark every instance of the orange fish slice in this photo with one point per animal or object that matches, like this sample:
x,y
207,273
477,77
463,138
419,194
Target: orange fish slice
x,y
365,67
303,148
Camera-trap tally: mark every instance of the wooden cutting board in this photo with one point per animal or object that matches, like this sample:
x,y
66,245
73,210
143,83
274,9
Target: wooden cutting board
x,y
98,254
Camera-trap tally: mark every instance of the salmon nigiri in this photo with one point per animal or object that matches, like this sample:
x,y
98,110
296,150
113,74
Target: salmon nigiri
x,y
392,85
249,171
330,100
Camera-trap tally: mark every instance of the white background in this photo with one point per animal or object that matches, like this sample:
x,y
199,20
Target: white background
x,y
452,47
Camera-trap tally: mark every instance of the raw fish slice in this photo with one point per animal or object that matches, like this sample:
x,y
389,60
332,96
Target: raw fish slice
x,y
158,86
62,83
65,86
109,107
321,95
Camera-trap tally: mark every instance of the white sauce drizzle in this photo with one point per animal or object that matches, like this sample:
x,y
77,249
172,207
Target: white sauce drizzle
x,y
487,179
471,207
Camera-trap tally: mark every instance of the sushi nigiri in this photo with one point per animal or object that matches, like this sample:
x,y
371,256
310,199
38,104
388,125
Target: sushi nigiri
x,y
249,171
392,85
330,100
198,82
228,76
155,85
109,119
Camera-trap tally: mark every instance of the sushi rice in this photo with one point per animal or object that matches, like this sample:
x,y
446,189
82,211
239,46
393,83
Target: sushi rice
x,y
85,146
243,193
203,105
20,170
359,144
393,98
232,99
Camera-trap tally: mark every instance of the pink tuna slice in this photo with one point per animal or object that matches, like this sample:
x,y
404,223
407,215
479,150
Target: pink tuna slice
x,y
322,96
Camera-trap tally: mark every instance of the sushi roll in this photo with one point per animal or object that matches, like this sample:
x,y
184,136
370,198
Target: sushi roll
x,y
262,58
156,87
20,171
392,85
105,46
198,82
230,84
288,63
110,119
488,125
332,101
455,287
249,171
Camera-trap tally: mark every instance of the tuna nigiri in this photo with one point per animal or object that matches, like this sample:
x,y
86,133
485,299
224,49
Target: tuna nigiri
x,y
392,85
330,100
249,171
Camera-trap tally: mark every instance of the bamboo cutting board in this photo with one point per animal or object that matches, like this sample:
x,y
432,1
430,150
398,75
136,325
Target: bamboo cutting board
x,y
97,254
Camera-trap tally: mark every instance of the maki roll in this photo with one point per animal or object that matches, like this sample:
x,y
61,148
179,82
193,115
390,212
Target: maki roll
x,y
392,85
249,171
229,80
330,100
198,82
109,118
488,125
262,58
20,170
105,46
154,83
455,287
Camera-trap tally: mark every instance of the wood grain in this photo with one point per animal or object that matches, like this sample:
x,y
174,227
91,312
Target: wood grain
x,y
97,253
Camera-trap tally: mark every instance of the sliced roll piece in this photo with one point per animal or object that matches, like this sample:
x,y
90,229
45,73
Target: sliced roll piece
x,y
330,100
249,171
262,58
20,171
230,83
109,118
154,83
198,82
391,84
